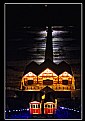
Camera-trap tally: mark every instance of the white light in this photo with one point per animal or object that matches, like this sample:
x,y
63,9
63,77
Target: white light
x,y
74,110
13,110
69,109
23,109
45,5
5,110
44,33
56,32
62,107
27,109
78,111
9,111
30,74
16,110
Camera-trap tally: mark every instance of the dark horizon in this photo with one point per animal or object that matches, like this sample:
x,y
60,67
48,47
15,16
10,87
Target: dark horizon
x,y
23,21
18,15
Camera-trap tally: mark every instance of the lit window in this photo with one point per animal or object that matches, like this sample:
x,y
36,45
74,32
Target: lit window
x,y
33,106
37,106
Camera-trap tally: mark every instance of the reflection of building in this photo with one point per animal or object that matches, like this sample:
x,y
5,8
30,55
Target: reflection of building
x,y
55,81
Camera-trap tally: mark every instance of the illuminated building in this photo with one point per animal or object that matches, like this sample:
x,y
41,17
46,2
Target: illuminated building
x,y
49,79
57,77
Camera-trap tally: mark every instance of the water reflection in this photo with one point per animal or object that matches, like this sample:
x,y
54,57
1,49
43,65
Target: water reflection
x,y
32,44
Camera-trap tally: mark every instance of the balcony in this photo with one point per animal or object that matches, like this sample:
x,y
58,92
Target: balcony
x,y
57,87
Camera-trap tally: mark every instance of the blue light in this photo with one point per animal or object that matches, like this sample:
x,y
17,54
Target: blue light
x,y
13,110
69,109
78,111
27,109
62,107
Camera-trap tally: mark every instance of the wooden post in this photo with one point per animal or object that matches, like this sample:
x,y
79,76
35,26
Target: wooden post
x,y
55,103
42,106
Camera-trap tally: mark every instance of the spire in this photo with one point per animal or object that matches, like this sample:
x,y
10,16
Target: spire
x,y
49,48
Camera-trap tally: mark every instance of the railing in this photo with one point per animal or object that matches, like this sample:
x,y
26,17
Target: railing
x,y
55,88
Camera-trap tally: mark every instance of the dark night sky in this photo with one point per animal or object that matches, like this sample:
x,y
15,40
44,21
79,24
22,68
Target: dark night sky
x,y
19,16
56,14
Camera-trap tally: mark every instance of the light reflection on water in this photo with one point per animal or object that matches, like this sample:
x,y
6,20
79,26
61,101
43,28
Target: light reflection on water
x,y
31,46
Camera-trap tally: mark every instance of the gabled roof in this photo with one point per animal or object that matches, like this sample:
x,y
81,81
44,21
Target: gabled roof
x,y
48,64
47,71
50,97
47,89
32,67
57,69
64,66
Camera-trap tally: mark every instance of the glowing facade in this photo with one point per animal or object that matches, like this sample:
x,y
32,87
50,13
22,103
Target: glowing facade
x,y
57,77
63,81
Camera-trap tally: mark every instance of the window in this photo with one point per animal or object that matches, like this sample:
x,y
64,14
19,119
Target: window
x,y
65,82
33,106
46,106
38,106
47,82
30,82
49,106
53,106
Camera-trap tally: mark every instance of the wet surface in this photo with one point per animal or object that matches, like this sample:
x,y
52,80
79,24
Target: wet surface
x,y
31,45
61,113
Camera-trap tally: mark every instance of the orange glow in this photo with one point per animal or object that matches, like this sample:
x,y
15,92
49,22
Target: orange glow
x,y
47,72
30,74
48,77
65,74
